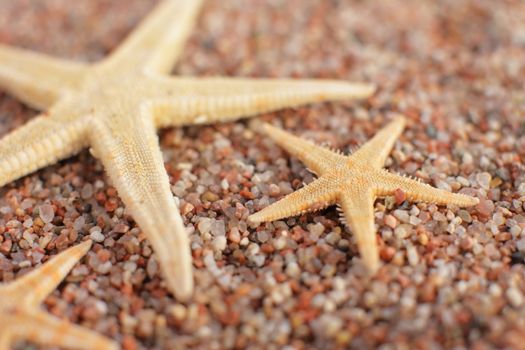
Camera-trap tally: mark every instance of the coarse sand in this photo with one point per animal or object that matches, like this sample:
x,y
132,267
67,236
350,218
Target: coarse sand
x,y
451,278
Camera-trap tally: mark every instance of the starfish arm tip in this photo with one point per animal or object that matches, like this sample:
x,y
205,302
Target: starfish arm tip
x,y
178,272
255,219
472,201
85,246
463,200
370,257
400,118
267,127
178,276
277,134
274,132
370,89
372,266
353,90
182,287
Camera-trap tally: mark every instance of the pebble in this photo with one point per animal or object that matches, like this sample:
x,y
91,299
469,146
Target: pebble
x,y
152,268
484,179
234,235
403,231
332,238
293,270
412,256
219,243
79,223
423,239
466,243
28,223
97,236
279,243
387,253
87,191
465,216
263,236
209,196
515,296
274,190
402,215
399,196
485,207
46,213
205,225
437,216
316,229
390,221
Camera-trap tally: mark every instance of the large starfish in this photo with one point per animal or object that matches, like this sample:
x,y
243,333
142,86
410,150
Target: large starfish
x,y
115,107
353,182
22,318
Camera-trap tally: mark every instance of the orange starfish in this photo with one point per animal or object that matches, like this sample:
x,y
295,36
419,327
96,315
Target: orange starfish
x,y
354,182
22,318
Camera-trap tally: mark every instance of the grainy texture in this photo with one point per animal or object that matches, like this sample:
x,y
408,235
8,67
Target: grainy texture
x,y
455,278
353,182
115,106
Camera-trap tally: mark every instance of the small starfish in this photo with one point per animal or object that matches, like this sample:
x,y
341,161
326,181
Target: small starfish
x,y
22,318
115,107
354,182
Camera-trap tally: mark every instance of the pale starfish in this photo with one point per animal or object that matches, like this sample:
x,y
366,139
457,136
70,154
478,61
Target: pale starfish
x,y
353,182
21,317
115,107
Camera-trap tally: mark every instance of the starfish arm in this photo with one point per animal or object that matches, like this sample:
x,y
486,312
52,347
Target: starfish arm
x,y
40,142
44,329
375,152
131,155
185,100
158,41
312,197
37,79
5,340
358,210
34,287
388,183
316,158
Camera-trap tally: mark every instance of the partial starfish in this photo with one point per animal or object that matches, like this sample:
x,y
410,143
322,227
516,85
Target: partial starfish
x,y
353,182
115,107
21,317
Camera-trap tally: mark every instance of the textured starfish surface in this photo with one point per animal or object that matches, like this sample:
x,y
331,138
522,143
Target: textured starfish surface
x,y
354,182
115,107
22,318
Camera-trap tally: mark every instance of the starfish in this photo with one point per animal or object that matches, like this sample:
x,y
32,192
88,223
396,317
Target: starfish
x,y
115,106
21,317
353,182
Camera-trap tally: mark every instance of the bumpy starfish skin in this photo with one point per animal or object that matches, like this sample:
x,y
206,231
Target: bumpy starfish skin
x,y
354,182
115,107
22,319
